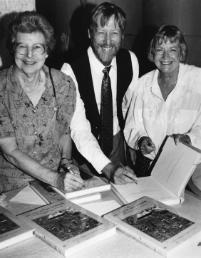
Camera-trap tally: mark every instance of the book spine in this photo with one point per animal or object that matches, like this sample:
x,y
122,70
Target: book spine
x,y
118,195
50,242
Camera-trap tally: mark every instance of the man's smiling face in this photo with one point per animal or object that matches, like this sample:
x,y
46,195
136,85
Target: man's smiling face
x,y
106,40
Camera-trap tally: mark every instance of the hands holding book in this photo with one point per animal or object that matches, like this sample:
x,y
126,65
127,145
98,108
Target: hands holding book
x,y
184,138
146,146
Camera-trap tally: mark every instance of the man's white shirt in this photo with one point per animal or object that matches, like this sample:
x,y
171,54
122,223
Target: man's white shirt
x,y
81,134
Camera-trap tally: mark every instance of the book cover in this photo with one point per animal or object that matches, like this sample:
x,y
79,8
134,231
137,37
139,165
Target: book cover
x,y
101,207
154,224
169,176
67,227
12,229
92,186
45,191
24,199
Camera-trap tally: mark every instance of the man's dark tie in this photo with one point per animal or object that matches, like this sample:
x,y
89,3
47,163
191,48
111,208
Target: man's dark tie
x,y
106,113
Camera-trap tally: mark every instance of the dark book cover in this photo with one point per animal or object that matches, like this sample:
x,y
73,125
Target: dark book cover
x,y
68,227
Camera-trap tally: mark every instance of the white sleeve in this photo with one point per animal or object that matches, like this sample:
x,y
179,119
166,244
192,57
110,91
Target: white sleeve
x,y
134,128
195,131
81,133
133,85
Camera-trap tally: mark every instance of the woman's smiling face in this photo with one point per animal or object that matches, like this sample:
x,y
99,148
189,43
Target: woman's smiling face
x,y
167,56
30,52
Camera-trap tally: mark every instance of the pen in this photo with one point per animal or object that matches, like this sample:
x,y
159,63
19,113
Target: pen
x,y
72,172
68,169
134,179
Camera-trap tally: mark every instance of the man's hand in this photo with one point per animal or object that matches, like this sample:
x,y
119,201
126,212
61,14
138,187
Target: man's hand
x,y
123,175
119,174
184,138
146,146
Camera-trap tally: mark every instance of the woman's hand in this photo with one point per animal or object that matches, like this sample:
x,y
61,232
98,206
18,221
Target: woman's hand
x,y
72,178
184,138
73,182
65,164
146,146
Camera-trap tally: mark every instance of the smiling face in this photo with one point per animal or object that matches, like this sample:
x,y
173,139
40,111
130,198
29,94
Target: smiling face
x,y
167,56
106,40
29,57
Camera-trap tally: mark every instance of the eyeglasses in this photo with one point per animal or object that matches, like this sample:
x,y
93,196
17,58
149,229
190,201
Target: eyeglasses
x,y
36,49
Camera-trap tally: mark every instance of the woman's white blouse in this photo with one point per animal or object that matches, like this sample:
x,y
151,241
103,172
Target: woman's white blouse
x,y
150,115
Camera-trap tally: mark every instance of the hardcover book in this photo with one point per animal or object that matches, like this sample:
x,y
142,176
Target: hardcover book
x,y
101,207
67,227
24,199
12,229
169,176
45,191
154,224
90,192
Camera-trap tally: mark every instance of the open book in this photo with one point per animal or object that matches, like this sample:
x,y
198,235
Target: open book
x,y
12,229
67,227
155,224
169,176
90,192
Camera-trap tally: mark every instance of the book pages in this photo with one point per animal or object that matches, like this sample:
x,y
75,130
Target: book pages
x,y
169,176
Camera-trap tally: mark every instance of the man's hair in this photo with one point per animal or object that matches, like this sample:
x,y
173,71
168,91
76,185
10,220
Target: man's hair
x,y
105,11
168,33
28,22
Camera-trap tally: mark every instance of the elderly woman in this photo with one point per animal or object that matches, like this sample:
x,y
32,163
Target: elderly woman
x,y
36,107
167,101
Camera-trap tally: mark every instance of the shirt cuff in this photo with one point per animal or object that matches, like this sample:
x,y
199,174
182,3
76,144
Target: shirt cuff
x,y
109,171
100,163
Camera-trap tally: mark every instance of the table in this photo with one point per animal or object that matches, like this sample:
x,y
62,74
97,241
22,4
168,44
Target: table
x,y
118,245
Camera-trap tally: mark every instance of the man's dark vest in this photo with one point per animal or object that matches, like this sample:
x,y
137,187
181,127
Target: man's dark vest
x,y
81,69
